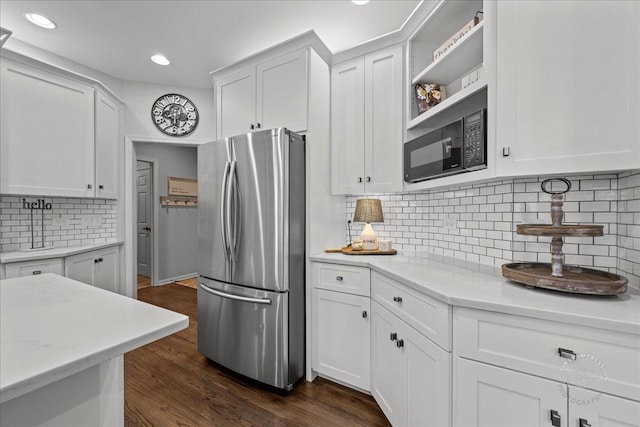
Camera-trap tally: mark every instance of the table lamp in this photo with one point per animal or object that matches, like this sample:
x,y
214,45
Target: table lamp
x,y
368,210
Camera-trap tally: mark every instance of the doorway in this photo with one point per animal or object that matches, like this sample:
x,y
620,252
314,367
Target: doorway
x,y
144,223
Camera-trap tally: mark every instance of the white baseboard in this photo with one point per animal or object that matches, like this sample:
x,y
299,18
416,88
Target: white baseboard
x,y
177,278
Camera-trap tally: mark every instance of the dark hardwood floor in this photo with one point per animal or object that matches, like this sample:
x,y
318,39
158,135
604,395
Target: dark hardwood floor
x,y
168,383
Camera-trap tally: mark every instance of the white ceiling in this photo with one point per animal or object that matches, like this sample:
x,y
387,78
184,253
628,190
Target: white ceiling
x,y
118,37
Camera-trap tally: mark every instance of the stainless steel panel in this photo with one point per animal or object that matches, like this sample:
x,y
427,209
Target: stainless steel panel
x,y
246,332
213,170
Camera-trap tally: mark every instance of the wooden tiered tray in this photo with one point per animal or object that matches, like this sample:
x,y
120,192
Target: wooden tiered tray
x,y
557,276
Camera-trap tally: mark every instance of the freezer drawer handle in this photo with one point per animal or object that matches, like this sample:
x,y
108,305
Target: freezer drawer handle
x,y
235,297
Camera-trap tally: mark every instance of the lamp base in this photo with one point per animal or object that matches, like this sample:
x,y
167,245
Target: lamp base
x,y
369,238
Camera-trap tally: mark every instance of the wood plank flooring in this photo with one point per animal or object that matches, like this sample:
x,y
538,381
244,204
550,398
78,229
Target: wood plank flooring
x,y
168,383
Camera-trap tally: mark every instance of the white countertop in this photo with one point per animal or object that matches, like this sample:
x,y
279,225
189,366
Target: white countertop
x,y
52,327
472,285
57,252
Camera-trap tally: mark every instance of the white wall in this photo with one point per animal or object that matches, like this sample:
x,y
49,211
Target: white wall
x,y
139,97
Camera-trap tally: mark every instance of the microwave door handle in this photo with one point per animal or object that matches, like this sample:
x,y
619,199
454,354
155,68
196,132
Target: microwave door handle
x,y
207,289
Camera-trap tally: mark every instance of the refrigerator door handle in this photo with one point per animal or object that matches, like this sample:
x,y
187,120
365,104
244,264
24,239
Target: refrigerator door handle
x,y
232,206
205,288
223,210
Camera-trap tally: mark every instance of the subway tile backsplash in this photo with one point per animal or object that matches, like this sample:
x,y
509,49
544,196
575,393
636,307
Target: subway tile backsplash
x,y
477,222
70,222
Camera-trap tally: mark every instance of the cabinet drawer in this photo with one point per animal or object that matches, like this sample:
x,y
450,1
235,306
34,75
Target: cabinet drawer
x,y
591,358
427,315
28,268
341,278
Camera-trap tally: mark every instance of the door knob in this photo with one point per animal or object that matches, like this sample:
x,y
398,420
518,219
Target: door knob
x,y
147,228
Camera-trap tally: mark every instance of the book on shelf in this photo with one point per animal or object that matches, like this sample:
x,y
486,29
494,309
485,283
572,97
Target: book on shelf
x,y
444,47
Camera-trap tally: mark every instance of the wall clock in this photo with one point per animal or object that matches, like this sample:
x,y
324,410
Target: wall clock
x,y
174,115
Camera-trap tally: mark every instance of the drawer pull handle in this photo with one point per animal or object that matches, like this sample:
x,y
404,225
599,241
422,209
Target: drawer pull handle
x,y
35,272
397,299
393,336
556,420
400,343
364,314
339,278
567,354
583,423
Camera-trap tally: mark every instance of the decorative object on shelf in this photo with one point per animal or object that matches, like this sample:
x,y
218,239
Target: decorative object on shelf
x,y
557,276
181,192
368,210
188,202
429,95
174,115
38,205
444,47
348,250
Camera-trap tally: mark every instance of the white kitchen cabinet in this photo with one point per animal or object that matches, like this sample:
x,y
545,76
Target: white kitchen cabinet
x,y
341,323
107,147
47,146
98,268
488,396
569,87
270,94
29,268
410,375
366,123
588,408
342,333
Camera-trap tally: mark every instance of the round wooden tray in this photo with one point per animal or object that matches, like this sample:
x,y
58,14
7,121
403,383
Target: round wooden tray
x,y
576,280
586,230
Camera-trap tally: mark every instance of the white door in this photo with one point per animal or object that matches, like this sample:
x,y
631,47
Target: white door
x,y
596,409
47,141
342,336
388,365
107,272
236,103
553,111
488,396
281,92
144,217
347,127
383,120
107,147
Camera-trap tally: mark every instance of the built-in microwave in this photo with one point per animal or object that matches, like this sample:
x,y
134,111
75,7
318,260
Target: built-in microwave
x,y
458,147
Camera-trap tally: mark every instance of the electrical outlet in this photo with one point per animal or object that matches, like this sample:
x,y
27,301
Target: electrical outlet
x,y
450,223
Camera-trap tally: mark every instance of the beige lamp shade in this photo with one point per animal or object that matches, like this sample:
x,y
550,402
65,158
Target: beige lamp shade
x,y
368,210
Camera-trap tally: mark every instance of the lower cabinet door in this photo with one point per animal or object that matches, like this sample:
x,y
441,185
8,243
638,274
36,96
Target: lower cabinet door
x,y
80,267
342,337
388,365
107,272
488,396
596,409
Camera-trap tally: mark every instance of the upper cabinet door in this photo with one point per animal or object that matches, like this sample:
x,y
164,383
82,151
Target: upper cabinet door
x,y
568,86
383,120
281,98
347,127
107,147
47,143
235,103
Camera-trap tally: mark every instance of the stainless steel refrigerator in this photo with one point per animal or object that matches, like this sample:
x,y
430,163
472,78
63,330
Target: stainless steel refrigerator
x,y
251,228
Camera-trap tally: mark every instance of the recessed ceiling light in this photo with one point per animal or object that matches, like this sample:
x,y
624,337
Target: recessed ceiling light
x,y
360,2
160,60
40,21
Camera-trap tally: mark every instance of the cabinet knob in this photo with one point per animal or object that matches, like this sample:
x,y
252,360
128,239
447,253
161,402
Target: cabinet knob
x,y
101,187
506,152
258,125
95,261
251,126
359,180
567,354
556,420
35,272
364,314
400,343
339,278
368,179
583,423
397,299
393,336
89,186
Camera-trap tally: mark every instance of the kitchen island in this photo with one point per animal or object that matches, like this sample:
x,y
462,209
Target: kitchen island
x,y
61,350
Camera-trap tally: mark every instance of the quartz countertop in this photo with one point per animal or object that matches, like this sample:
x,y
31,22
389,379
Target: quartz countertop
x,y
465,284
55,252
52,327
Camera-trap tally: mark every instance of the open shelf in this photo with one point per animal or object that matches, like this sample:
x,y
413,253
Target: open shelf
x,y
447,103
462,56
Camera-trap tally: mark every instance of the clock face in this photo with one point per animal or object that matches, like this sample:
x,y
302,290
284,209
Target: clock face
x,y
174,115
